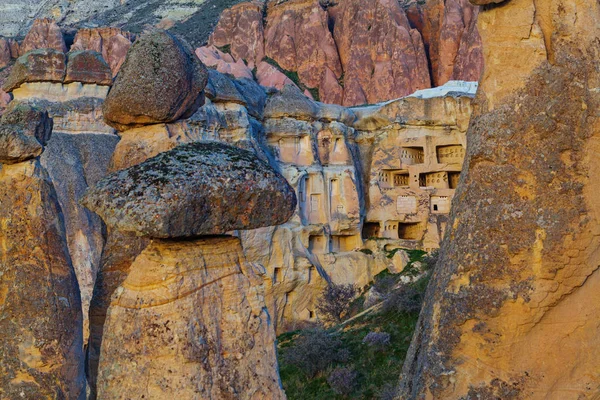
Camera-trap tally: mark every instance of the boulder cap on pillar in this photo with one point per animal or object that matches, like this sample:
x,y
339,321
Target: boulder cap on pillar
x,y
160,81
88,66
41,65
202,188
24,131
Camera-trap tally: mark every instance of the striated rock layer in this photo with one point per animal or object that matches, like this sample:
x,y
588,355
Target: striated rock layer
x,y
513,309
225,349
40,307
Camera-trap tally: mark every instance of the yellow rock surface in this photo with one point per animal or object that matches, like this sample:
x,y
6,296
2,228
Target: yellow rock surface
x,y
513,309
189,322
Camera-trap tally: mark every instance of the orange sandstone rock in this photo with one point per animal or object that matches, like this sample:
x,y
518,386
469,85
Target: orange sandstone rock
x,y
513,309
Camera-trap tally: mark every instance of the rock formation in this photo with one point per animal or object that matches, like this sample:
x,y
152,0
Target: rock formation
x,y
44,34
160,81
43,65
40,307
241,28
112,43
203,189
512,311
199,295
353,52
147,140
88,66
71,88
194,19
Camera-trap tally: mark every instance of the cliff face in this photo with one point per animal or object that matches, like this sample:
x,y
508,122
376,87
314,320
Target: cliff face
x,y
347,52
512,311
356,52
206,332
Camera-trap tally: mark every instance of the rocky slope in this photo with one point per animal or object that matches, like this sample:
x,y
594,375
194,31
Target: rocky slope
x,y
194,19
348,167
512,311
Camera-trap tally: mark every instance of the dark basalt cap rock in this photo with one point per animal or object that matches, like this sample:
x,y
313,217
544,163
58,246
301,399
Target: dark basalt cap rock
x,y
205,188
160,81
24,131
42,65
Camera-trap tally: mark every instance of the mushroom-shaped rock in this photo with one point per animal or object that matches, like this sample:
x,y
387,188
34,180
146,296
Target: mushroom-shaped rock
x,y
24,132
40,65
161,80
88,66
202,188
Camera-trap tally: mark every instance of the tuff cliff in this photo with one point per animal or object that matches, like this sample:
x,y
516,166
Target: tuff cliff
x,y
512,311
349,52
40,307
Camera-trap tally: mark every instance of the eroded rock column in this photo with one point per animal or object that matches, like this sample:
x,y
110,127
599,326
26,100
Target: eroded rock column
x,y
513,309
190,320
40,308
160,81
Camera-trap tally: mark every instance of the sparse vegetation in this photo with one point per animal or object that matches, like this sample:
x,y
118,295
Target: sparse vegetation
x,y
333,305
372,343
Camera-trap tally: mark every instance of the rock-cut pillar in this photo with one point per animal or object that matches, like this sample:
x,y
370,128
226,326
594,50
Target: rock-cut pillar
x,y
189,318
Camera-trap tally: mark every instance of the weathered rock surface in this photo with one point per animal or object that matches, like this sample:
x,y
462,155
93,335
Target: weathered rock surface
x,y
194,19
290,102
241,28
195,189
297,37
77,156
112,43
269,76
40,308
43,65
223,62
224,349
24,132
5,56
5,98
87,66
44,34
75,162
380,50
382,56
161,80
512,310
